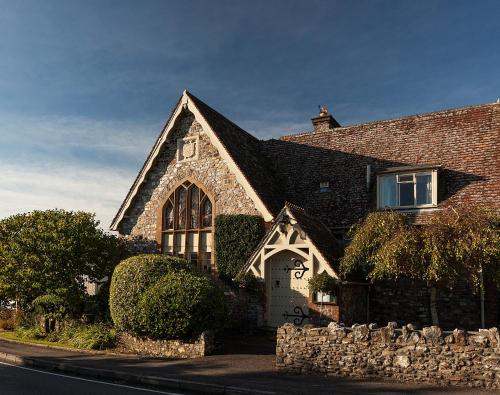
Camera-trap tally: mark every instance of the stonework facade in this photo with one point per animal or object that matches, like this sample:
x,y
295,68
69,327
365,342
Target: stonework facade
x,y
316,185
432,356
208,169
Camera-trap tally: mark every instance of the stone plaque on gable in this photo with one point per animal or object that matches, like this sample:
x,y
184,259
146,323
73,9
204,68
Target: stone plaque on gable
x,y
187,149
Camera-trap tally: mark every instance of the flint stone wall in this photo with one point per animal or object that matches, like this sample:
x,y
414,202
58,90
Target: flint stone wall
x,y
204,345
209,169
428,356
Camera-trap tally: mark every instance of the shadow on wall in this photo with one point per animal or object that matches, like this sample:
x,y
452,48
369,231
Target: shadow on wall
x,y
409,302
152,180
302,168
138,245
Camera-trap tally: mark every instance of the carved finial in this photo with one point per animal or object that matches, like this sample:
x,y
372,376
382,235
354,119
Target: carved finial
x,y
323,111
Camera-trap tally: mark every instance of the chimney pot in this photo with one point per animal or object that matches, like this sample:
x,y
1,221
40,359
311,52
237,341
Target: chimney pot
x,y
324,121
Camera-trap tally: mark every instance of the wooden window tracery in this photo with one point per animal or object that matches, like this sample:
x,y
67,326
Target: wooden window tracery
x,y
187,225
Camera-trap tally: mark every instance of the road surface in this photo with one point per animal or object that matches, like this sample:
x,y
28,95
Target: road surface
x,y
18,380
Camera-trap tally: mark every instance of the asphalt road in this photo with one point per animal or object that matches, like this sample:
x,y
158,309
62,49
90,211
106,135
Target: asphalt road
x,y
17,380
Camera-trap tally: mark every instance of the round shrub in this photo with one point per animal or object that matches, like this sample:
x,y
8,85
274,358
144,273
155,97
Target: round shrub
x,y
130,279
182,305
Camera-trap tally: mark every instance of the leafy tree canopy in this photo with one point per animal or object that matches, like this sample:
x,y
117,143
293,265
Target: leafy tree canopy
x,y
45,251
453,244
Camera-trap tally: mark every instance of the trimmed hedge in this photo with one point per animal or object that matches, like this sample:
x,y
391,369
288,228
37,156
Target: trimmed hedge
x,y
182,305
130,279
236,237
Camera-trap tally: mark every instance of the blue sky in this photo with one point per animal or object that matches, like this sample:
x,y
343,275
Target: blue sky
x,y
85,86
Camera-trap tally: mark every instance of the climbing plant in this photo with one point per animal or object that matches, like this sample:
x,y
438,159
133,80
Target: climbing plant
x,y
236,237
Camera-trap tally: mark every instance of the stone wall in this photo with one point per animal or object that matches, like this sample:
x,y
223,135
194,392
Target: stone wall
x,y
205,345
408,355
246,309
208,168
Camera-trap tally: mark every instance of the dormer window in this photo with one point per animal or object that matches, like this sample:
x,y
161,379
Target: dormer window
x,y
407,189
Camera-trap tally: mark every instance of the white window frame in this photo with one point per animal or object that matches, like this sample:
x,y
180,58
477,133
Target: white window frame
x,y
434,183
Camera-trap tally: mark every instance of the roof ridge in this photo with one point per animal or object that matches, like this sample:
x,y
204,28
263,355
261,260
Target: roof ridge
x,y
246,153
196,99
382,121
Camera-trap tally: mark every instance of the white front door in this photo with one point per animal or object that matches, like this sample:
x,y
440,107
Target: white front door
x,y
289,274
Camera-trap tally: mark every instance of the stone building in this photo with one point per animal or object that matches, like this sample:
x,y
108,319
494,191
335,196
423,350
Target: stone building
x,y
309,188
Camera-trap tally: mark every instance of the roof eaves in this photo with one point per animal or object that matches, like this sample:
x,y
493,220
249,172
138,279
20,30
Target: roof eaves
x,y
115,223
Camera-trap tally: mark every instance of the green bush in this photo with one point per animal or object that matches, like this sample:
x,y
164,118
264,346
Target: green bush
x,y
49,306
130,279
7,319
182,305
248,281
236,237
94,337
322,282
29,333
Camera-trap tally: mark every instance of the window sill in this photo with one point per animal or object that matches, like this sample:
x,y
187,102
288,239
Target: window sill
x,y
325,304
410,209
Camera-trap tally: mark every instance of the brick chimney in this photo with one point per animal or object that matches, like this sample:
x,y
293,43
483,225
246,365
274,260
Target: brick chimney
x,y
324,122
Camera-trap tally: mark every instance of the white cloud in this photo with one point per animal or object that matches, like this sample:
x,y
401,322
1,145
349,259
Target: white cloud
x,y
83,188
76,163
70,163
63,133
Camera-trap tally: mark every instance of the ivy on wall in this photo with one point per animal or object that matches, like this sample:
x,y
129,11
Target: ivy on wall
x,y
236,237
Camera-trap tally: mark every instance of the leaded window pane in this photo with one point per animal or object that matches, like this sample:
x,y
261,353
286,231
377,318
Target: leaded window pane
x,y
207,214
181,209
195,207
169,216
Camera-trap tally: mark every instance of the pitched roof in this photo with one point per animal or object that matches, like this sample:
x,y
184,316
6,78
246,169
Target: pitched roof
x,y
319,235
464,142
318,232
246,152
235,145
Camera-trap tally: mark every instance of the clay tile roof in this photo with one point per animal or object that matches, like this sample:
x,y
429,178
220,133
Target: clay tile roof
x,y
246,152
320,235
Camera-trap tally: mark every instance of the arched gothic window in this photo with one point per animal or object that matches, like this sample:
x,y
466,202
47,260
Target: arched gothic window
x,y
187,225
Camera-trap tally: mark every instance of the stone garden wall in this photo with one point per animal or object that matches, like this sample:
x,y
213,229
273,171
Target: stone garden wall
x,y
408,355
205,345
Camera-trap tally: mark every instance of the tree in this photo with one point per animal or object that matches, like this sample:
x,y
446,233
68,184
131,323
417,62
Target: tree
x,y
45,251
454,244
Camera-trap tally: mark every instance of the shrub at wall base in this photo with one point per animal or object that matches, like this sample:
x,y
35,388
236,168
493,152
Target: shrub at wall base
x,y
164,297
181,305
130,279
